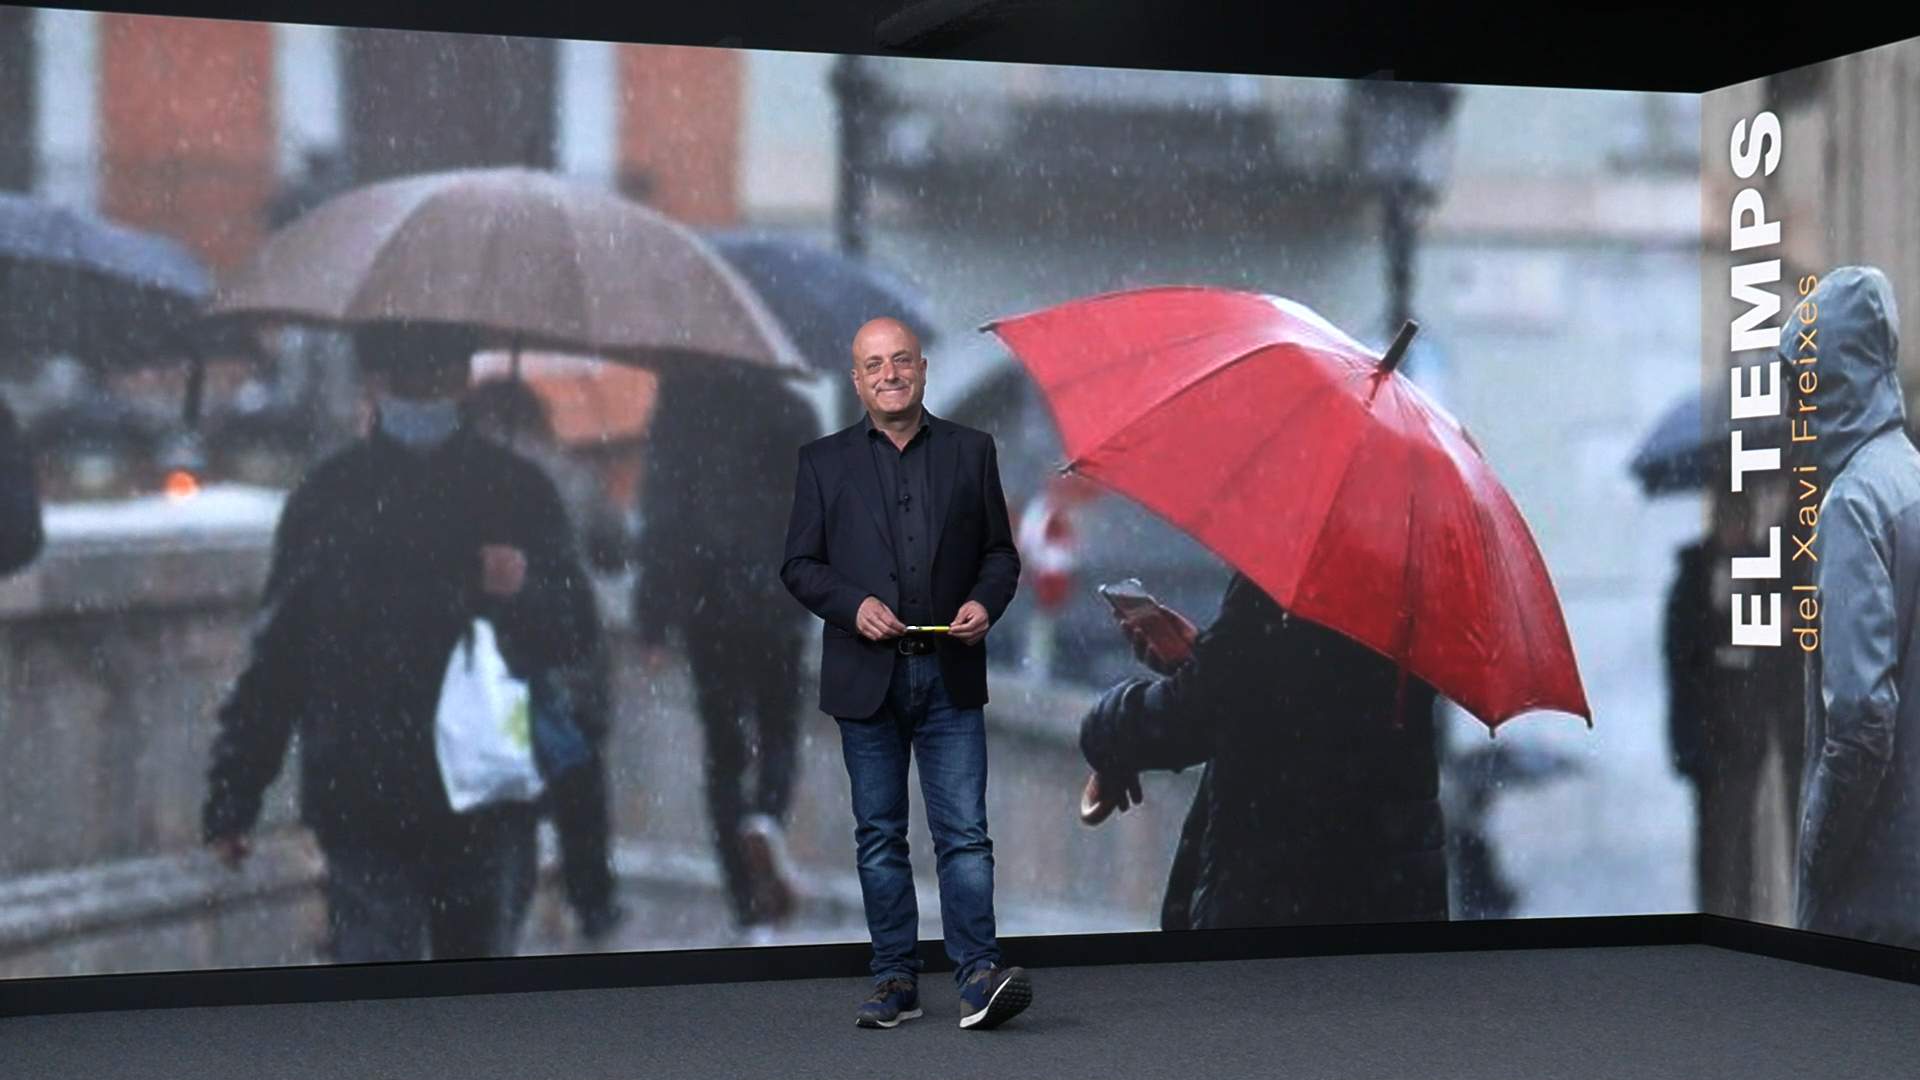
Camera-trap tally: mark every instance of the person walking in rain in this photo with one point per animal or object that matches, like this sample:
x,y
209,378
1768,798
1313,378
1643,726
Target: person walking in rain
x,y
1744,769
578,701
383,557
899,521
708,555
1859,874
1319,790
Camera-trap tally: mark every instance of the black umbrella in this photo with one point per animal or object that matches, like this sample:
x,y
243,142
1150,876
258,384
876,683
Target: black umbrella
x,y
1689,437
821,296
76,284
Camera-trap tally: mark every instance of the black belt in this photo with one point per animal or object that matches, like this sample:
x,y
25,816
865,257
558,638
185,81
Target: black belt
x,y
913,645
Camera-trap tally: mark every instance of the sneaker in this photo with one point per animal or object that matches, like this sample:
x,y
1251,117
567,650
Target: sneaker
x,y
764,846
892,1001
993,996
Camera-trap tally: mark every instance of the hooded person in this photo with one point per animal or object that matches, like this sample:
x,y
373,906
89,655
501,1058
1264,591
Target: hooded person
x,y
383,557
1859,842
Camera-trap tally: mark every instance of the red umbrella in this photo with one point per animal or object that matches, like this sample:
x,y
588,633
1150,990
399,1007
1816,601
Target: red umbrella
x,y
1303,459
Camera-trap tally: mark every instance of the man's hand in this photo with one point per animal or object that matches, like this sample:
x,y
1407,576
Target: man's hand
x,y
877,622
232,850
970,623
503,570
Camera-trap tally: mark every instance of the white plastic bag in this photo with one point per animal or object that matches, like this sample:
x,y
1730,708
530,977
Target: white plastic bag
x,y
483,727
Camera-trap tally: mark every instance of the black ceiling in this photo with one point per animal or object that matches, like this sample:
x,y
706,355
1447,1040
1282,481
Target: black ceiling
x,y
1581,43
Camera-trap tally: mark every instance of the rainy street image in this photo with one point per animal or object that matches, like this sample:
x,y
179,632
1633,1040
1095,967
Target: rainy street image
x,y
363,388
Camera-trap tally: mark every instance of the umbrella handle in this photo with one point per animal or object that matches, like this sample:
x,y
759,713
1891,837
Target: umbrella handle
x,y
513,368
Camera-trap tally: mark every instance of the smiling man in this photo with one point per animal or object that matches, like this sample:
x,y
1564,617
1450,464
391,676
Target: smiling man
x,y
899,523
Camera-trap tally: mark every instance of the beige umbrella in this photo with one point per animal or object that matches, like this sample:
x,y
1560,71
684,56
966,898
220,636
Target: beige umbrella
x,y
537,260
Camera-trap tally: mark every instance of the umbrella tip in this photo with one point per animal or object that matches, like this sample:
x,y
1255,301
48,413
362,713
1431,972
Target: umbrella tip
x,y
1397,351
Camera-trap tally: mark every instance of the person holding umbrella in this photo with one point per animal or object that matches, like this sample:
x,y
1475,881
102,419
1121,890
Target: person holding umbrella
x,y
1319,795
383,557
1380,564
1729,739
572,708
708,556
388,533
75,284
1722,702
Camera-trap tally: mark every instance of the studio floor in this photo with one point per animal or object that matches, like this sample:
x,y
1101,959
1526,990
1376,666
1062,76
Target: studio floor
x,y
1688,1011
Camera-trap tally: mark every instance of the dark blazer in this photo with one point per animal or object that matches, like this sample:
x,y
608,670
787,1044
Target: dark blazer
x,y
840,551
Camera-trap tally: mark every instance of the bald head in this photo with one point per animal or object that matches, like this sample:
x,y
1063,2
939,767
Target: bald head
x,y
888,371
884,335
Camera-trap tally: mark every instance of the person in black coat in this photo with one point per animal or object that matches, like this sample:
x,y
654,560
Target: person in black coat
x,y
382,558
708,559
1318,802
21,533
570,704
1729,737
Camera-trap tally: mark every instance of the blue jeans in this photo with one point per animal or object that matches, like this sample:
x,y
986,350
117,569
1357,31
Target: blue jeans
x,y
919,718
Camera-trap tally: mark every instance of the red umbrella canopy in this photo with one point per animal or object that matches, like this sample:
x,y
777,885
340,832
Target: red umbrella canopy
x,y
1307,462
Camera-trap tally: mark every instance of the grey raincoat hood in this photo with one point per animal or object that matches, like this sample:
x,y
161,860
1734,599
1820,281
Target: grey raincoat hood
x,y
1859,844
1856,330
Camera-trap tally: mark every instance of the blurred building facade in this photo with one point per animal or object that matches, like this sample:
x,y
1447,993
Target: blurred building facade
x,y
189,127
1843,190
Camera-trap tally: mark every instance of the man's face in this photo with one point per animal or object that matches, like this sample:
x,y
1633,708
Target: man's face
x,y
888,371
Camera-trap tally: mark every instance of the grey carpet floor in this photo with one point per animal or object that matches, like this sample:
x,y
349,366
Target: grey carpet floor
x,y
1599,1014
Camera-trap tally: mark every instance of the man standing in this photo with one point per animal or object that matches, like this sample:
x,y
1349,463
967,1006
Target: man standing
x,y
1860,820
898,522
382,559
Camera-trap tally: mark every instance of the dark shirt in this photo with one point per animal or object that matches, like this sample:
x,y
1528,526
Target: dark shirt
x,y
903,483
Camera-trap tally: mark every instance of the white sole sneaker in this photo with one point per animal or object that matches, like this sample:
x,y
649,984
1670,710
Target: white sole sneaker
x,y
1009,1000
